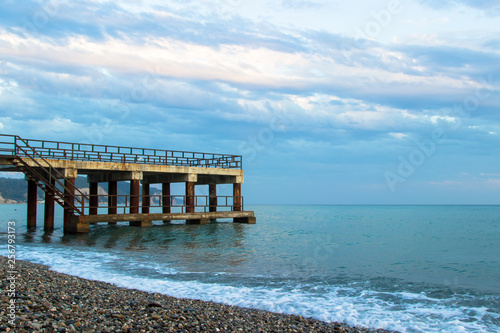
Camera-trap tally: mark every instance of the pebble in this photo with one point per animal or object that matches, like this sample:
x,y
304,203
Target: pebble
x,y
51,302
154,304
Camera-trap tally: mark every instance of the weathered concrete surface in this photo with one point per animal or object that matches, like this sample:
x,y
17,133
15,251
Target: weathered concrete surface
x,y
92,219
158,178
149,173
247,220
142,224
76,226
114,176
198,221
85,167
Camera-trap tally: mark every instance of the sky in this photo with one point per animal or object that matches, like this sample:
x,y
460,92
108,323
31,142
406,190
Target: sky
x,y
328,102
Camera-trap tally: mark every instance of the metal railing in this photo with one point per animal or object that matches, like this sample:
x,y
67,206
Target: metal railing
x,y
177,203
118,154
8,145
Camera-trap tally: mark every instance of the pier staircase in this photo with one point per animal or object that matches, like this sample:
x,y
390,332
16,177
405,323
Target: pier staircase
x,y
49,179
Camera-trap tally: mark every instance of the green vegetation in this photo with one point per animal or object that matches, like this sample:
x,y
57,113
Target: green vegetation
x,y
13,189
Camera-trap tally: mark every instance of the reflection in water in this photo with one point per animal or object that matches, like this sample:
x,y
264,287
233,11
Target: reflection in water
x,y
190,246
112,240
47,237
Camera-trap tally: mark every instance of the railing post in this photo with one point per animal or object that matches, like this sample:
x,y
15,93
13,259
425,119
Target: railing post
x,y
16,138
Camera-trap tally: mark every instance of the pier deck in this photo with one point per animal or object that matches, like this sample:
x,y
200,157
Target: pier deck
x,y
53,166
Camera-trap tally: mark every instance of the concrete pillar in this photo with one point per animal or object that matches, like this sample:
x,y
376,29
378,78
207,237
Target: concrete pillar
x,y
134,196
94,198
76,225
142,224
146,198
69,193
166,200
247,220
48,221
212,194
190,197
112,199
237,197
32,201
198,221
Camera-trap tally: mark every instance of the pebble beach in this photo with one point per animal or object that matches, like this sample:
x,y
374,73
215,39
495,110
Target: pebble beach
x,y
47,301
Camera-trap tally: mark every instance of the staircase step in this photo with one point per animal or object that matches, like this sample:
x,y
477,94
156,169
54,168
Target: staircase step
x,y
44,183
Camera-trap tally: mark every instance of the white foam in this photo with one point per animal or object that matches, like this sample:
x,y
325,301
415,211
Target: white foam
x,y
364,309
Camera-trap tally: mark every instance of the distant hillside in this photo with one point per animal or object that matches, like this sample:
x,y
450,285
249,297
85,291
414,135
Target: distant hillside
x,y
15,190
12,190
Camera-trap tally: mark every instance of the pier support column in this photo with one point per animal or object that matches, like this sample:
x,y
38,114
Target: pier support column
x,y
198,221
94,198
112,199
166,199
32,202
77,225
146,198
142,224
135,185
212,194
134,196
237,197
247,220
48,221
69,193
189,197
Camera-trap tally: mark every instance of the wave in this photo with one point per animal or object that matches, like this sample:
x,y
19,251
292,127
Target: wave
x,y
356,304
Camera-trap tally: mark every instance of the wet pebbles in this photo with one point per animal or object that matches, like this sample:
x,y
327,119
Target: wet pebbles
x,y
48,301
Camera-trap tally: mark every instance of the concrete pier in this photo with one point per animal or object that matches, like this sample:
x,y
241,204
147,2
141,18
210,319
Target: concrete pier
x,y
54,166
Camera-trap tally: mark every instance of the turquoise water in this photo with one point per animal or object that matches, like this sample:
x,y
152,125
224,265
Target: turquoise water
x,y
406,268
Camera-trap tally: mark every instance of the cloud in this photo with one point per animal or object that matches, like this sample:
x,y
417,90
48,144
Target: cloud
x,y
445,58
491,6
492,44
205,76
299,4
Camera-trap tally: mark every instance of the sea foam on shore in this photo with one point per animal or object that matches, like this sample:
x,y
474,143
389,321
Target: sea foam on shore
x,y
47,301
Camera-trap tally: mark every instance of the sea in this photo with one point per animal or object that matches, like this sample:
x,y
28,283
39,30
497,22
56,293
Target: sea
x,y
403,268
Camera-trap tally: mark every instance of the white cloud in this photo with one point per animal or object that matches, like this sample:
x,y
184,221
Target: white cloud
x,y
436,119
398,135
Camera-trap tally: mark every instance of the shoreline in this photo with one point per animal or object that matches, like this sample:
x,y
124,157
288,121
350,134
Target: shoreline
x,y
48,301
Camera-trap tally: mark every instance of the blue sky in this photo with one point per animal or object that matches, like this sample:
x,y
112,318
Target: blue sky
x,y
329,102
